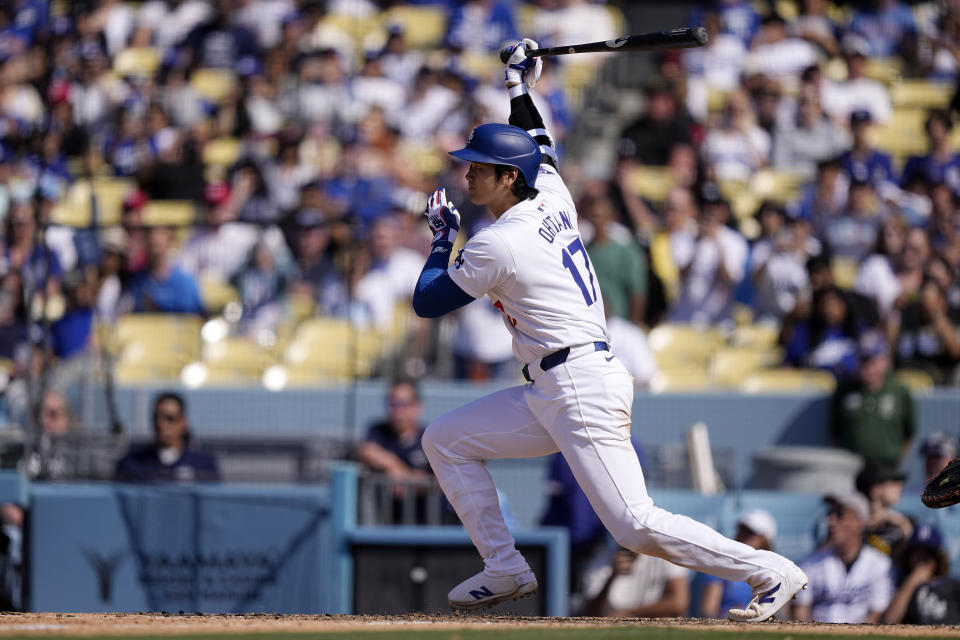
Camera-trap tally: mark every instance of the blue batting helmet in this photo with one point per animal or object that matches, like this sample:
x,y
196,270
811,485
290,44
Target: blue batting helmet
x,y
503,144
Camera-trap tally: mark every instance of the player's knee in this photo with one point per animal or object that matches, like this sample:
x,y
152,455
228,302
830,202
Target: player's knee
x,y
431,441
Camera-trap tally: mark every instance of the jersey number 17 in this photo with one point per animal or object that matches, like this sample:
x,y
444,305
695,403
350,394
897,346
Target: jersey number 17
x,y
577,247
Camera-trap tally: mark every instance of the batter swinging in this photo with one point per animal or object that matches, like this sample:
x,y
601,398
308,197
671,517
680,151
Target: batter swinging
x,y
533,266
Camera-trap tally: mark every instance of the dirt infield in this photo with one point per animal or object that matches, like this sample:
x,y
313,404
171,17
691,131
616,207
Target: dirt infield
x,y
191,624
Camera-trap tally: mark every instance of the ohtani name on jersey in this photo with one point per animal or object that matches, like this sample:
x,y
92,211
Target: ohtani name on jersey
x,y
550,227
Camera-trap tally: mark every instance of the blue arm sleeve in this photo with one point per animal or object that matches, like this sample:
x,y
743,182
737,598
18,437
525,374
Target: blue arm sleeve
x,y
436,294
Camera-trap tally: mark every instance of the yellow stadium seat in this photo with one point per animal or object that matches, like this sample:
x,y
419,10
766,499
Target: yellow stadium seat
x,y
238,353
779,186
887,70
789,380
357,27
716,100
145,373
903,134
201,374
917,380
334,348
222,152
681,379
169,213
75,208
921,94
216,294
213,84
844,272
426,160
141,62
651,182
955,137
730,365
760,336
684,344
423,26
172,333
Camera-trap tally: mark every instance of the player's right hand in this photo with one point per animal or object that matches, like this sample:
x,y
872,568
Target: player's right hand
x,y
520,68
442,217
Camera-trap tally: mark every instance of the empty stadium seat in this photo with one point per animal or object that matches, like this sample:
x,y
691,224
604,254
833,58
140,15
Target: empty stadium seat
x,y
423,26
172,213
140,62
331,347
758,335
179,334
213,84
788,381
730,365
844,272
661,262
903,134
238,353
216,294
222,152
921,94
917,380
682,344
75,208
680,379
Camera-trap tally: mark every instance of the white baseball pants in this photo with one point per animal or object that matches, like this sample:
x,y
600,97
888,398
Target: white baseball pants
x,y
581,408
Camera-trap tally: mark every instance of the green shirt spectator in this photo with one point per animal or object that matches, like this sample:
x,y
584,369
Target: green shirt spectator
x,y
872,414
620,265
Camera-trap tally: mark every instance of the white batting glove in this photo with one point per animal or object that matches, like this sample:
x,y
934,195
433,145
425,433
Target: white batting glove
x,y
520,68
442,217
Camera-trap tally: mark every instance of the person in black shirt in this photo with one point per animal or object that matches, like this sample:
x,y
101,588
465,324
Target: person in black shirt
x,y
393,447
650,139
168,458
927,594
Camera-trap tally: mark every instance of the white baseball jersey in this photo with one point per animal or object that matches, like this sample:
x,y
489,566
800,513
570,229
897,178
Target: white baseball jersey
x,y
534,266
838,594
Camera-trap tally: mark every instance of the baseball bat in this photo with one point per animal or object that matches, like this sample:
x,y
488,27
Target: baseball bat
x,y
685,38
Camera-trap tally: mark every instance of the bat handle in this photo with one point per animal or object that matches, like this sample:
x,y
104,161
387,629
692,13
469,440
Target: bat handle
x,y
506,52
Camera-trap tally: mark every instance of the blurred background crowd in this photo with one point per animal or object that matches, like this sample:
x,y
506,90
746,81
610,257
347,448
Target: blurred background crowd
x,y
255,169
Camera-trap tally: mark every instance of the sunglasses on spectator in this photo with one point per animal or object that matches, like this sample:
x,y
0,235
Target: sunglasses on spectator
x,y
168,417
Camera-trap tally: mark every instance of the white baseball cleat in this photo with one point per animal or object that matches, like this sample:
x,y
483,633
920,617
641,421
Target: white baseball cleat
x,y
766,603
482,591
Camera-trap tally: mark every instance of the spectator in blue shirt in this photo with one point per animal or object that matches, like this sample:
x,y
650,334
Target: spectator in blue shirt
x,y
828,340
163,287
481,25
886,25
863,163
942,163
169,457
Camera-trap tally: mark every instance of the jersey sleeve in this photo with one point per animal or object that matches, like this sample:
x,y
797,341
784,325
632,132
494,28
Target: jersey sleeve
x,y
484,262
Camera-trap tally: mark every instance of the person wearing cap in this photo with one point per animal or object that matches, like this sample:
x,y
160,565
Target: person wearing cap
x,y
927,594
882,485
850,582
872,414
865,163
757,528
937,449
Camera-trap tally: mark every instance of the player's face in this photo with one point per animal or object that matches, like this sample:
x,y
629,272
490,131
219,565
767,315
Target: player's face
x,y
482,183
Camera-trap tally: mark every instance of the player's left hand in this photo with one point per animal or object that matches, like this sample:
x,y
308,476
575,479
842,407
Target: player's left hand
x,y
520,68
442,217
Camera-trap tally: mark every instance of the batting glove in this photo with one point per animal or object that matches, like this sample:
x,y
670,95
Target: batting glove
x,y
442,217
520,68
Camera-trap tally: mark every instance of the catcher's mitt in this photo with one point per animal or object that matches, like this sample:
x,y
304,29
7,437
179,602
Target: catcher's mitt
x,y
943,489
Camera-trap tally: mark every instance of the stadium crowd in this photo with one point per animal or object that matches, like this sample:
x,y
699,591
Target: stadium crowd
x,y
301,136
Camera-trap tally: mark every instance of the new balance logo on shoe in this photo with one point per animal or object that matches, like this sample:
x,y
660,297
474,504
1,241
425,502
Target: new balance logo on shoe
x,y
482,592
769,595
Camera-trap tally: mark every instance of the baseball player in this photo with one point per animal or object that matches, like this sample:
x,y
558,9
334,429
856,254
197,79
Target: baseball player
x,y
532,264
